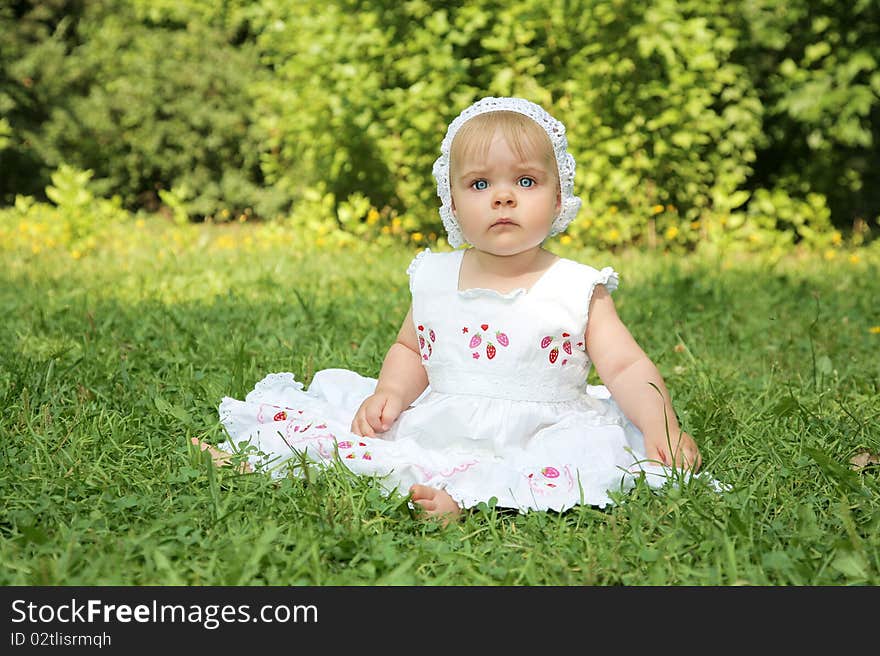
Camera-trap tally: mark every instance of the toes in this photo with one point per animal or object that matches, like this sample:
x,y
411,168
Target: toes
x,y
419,492
428,505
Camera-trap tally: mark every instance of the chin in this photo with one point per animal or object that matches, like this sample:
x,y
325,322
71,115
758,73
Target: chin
x,y
505,250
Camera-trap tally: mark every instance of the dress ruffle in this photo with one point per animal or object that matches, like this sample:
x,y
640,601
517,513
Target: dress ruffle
x,y
553,464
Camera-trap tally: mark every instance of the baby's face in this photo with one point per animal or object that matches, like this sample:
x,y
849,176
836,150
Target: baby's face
x,y
505,204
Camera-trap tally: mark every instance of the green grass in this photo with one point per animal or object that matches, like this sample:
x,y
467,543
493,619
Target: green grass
x,y
109,365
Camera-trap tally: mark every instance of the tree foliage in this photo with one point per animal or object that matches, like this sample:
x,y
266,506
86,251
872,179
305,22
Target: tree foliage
x,y
689,120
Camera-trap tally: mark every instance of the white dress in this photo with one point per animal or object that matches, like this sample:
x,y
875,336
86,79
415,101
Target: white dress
x,y
507,412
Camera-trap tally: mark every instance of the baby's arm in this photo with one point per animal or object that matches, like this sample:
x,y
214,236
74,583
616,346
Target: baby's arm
x,y
401,381
628,373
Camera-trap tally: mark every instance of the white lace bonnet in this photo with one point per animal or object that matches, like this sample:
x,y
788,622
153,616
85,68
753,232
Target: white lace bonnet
x,y
564,161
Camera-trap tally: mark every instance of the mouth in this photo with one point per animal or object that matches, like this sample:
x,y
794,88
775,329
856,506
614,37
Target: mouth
x,y
503,221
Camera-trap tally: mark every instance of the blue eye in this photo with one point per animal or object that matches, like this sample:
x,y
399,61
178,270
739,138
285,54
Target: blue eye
x,y
480,185
527,182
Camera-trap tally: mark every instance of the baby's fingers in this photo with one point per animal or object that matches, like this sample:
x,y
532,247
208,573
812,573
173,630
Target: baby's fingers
x,y
373,414
688,458
390,413
687,455
360,425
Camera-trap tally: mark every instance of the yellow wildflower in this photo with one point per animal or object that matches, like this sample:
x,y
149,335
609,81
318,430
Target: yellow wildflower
x,y
671,233
417,236
874,330
566,239
836,238
829,254
854,258
656,209
372,216
613,234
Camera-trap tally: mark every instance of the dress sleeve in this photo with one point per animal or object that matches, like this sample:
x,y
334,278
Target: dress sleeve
x,y
607,277
413,267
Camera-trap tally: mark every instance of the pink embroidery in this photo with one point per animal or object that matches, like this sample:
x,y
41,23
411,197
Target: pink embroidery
x,y
354,453
323,450
281,415
431,473
426,337
485,337
563,342
562,480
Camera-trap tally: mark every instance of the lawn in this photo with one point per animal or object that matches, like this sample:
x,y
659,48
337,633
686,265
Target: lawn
x,y
111,362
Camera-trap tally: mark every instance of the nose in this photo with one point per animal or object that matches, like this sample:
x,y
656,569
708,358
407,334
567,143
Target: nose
x,y
504,197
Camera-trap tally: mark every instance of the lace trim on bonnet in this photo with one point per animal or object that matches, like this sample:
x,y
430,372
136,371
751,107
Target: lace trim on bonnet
x,y
570,204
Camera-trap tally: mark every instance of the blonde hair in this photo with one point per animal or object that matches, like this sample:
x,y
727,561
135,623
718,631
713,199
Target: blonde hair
x,y
525,137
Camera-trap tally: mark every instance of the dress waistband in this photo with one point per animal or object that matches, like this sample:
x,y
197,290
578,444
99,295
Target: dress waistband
x,y
503,387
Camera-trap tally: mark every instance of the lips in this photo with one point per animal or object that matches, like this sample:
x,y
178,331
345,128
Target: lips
x,y
503,221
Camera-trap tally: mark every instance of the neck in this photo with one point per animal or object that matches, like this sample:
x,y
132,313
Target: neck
x,y
518,264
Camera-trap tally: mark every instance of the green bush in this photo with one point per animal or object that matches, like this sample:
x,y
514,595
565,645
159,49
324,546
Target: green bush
x,y
686,118
815,66
33,39
76,220
153,108
656,111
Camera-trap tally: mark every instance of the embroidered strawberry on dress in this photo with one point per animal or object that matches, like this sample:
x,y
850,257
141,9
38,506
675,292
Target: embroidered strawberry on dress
x,y
266,410
551,479
425,342
564,342
478,338
353,451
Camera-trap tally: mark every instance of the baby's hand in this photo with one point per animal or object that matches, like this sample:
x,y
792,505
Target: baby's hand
x,y
679,450
376,414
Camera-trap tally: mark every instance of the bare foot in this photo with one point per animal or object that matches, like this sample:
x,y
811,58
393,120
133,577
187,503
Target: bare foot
x,y
435,503
218,457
